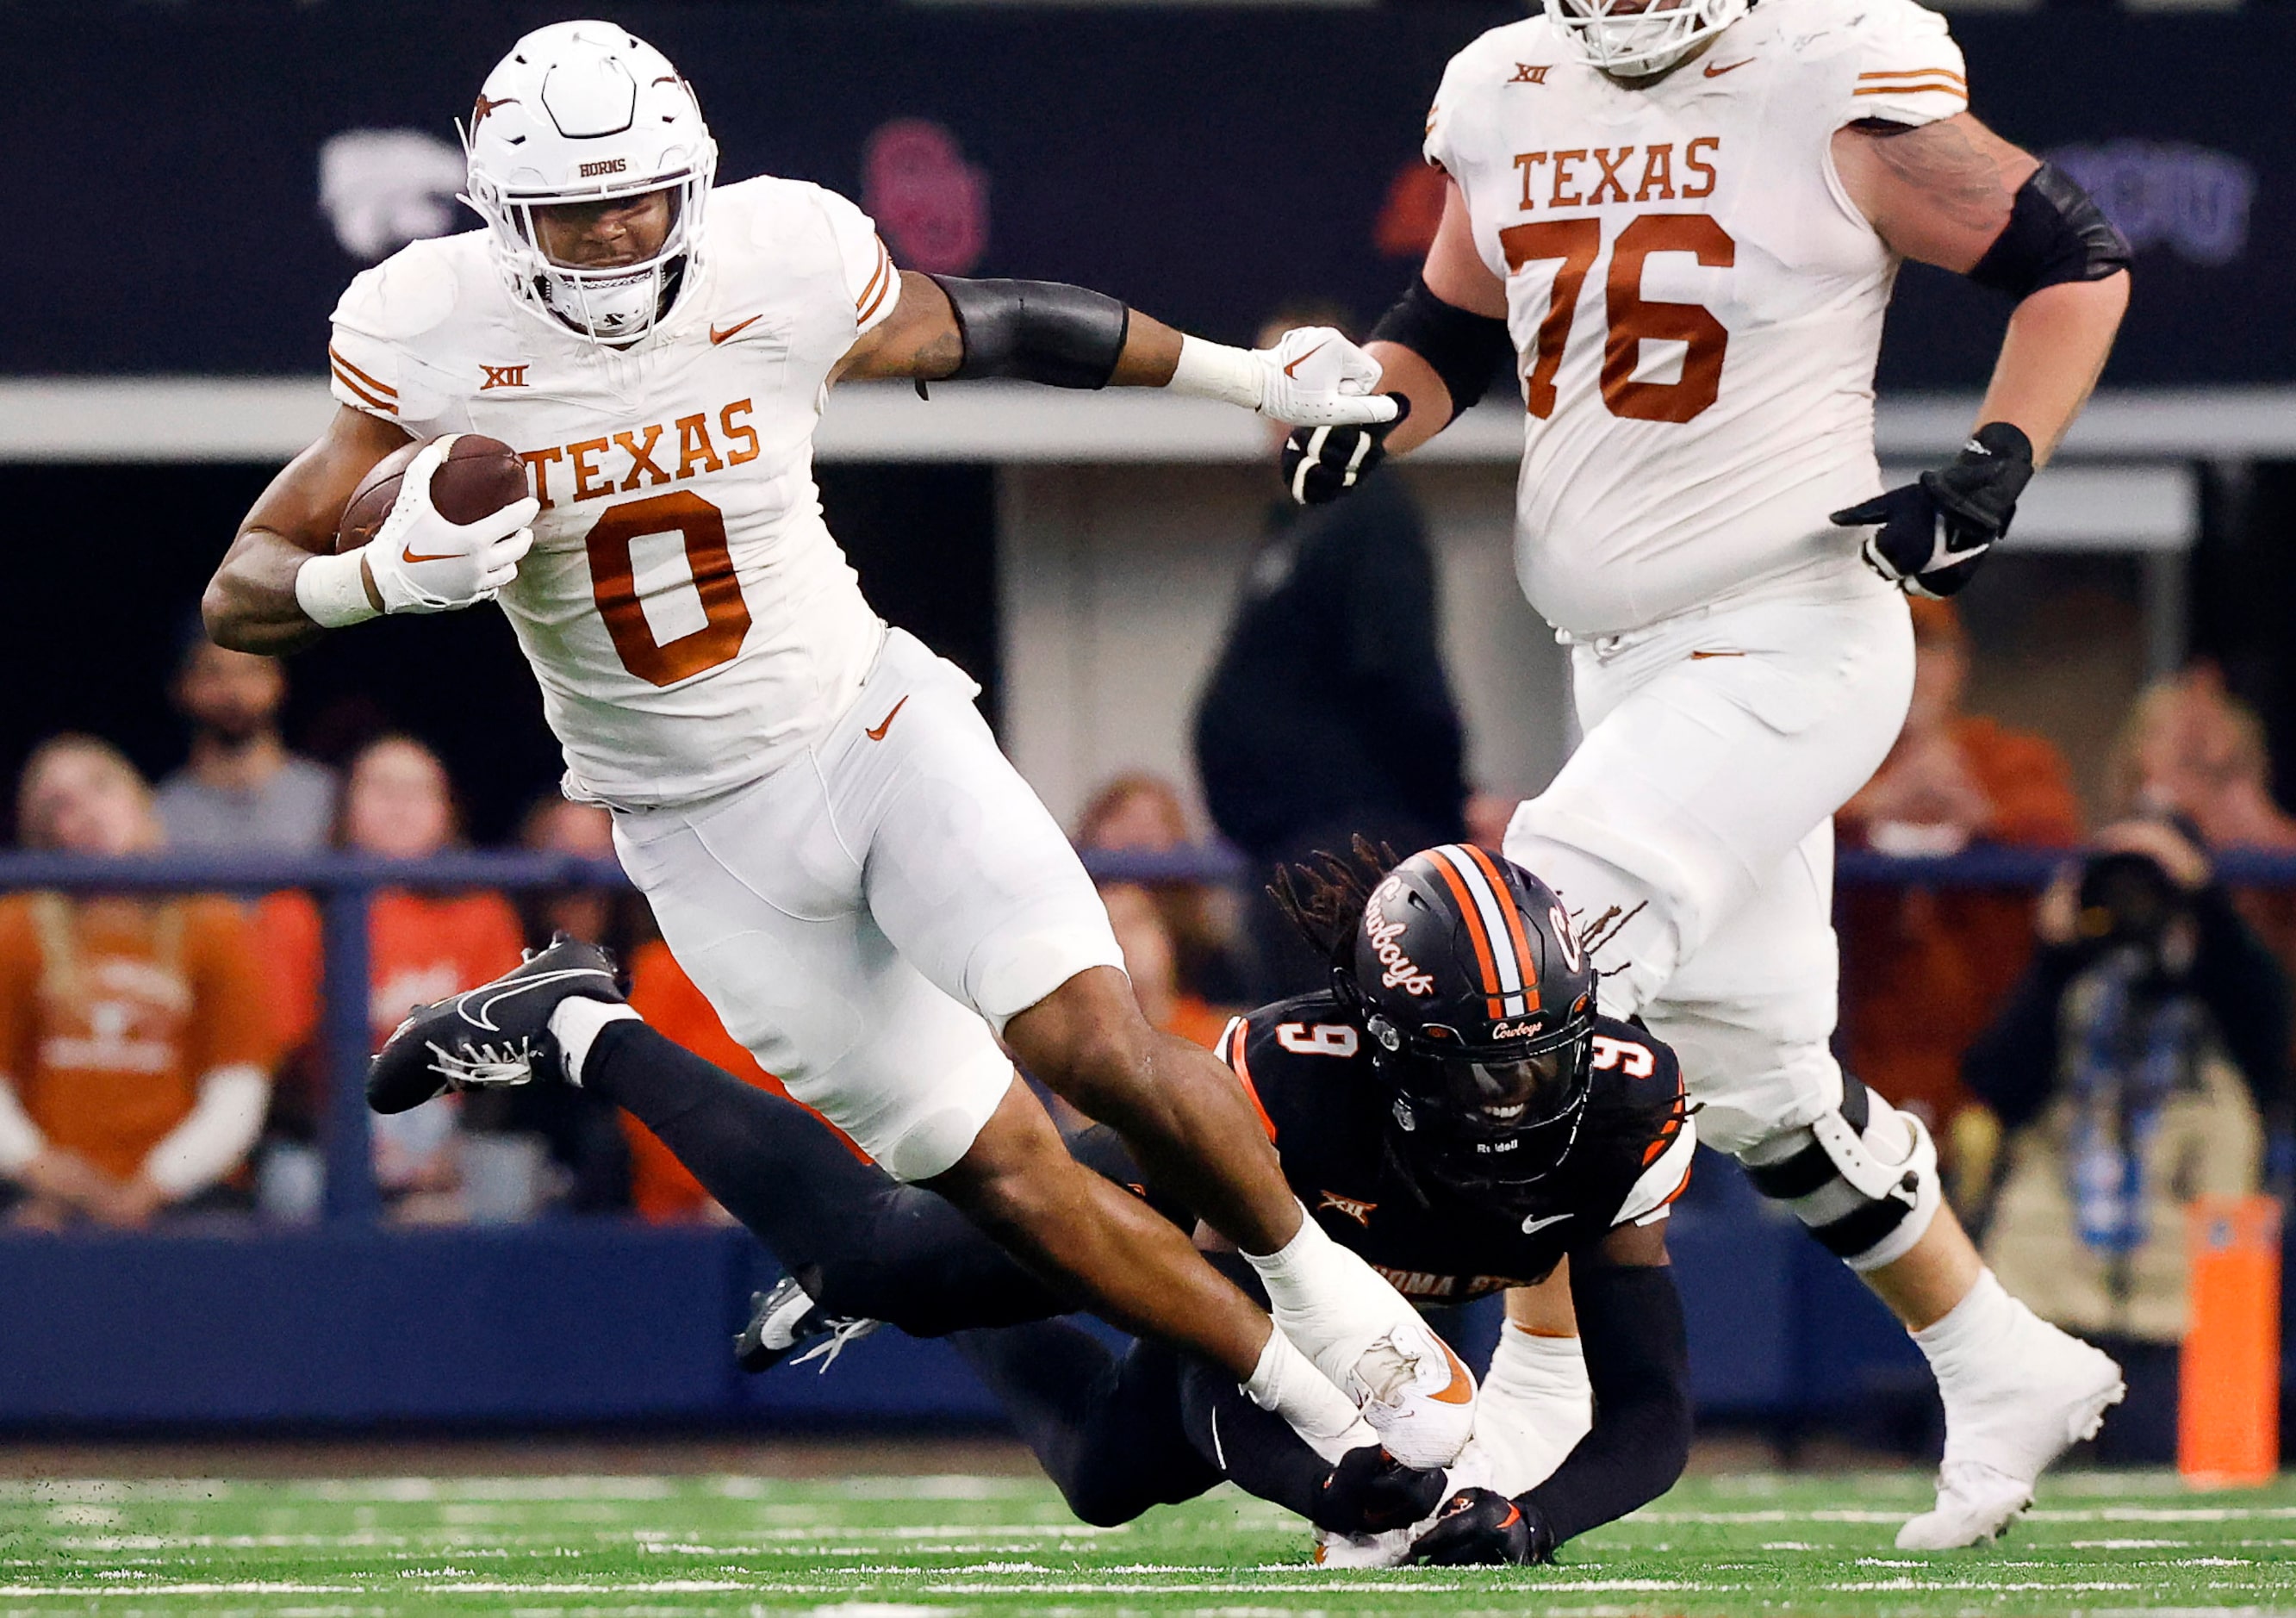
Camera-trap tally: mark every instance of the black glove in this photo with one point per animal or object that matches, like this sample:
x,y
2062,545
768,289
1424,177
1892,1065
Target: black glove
x,y
1934,532
1481,1525
1321,464
1370,1492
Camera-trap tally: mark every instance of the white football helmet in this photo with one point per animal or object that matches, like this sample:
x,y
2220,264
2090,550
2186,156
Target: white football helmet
x,y
1634,38
576,112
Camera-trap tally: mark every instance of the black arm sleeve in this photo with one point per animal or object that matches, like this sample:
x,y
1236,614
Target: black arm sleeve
x,y
2055,233
2012,1067
1037,331
2246,991
1638,1360
1463,347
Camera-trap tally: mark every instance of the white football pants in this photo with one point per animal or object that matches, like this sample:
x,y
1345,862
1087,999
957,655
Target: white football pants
x,y
1719,743
862,915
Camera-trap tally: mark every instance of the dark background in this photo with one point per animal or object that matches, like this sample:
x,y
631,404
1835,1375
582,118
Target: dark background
x,y
1205,165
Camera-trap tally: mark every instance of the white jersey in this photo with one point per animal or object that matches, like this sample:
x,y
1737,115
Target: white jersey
x,y
1697,302
690,620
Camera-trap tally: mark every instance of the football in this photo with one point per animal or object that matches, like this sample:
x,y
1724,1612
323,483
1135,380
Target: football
x,y
479,476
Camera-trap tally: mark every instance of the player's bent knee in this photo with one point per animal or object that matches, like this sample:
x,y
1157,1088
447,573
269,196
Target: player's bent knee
x,y
1863,1178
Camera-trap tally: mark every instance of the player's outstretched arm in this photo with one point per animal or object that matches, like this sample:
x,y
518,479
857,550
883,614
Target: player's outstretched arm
x,y
1071,337
1955,194
250,604
1629,1320
1437,348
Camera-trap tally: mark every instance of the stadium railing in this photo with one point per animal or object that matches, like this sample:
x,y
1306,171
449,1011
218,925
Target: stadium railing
x,y
345,886
326,1325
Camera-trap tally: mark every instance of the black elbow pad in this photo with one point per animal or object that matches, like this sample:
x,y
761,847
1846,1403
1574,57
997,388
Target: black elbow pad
x,y
2055,233
1037,331
1464,348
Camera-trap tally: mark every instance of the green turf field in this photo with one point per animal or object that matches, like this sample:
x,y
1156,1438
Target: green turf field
x,y
537,1547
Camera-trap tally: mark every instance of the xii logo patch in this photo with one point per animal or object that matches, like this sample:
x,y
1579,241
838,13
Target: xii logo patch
x,y
1360,1213
503,376
1527,73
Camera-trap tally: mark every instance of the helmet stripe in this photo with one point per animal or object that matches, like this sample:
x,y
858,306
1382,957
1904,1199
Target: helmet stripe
x,y
1511,995
1512,912
1478,931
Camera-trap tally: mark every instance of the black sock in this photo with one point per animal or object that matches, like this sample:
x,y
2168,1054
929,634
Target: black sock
x,y
858,1240
1106,1427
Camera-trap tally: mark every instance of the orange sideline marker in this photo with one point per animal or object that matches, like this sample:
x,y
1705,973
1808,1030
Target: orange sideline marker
x,y
2228,1405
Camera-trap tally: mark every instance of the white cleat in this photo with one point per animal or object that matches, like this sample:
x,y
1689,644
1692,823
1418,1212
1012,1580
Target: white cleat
x,y
1415,1392
2002,1433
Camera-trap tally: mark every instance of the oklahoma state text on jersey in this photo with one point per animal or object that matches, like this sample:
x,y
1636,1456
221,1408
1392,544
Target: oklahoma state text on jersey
x,y
1310,1070
690,620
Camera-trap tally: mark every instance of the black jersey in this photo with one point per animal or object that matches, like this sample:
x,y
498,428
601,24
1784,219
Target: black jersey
x,y
1308,1067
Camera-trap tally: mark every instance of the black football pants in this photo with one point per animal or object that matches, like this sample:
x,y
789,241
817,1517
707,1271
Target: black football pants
x,y
1118,1431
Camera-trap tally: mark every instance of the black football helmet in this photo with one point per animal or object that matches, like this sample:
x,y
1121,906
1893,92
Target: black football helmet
x,y
1479,1001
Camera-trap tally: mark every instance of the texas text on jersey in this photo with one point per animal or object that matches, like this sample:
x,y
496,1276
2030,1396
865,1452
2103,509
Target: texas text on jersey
x,y
1308,1063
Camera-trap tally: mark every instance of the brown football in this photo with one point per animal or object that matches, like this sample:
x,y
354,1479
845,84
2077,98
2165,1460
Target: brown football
x,y
479,477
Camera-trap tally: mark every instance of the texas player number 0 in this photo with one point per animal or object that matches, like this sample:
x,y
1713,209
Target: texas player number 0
x,y
724,618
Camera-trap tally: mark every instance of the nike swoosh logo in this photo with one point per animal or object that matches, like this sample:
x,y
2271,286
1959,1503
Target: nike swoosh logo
x,y
717,336
876,733
1531,1226
409,556
1714,72
1293,370
483,1018
1462,1389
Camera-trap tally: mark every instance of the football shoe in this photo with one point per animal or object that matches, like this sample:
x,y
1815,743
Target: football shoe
x,y
786,1320
495,1036
2032,1404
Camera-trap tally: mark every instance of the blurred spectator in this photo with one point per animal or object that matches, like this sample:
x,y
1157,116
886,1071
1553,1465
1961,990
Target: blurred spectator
x,y
2131,1064
2193,750
1329,713
1142,813
1150,959
662,1189
241,788
614,917
1922,968
397,803
135,1046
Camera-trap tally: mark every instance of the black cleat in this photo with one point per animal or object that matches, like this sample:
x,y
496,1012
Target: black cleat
x,y
785,1320
498,1034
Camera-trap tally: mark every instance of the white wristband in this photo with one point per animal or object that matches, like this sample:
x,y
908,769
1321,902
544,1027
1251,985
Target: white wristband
x,y
332,591
1216,371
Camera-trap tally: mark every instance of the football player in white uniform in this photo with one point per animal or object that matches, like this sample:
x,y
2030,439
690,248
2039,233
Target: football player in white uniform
x,y
834,847
1681,219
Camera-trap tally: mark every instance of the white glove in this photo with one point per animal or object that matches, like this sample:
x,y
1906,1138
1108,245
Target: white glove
x,y
1313,377
421,563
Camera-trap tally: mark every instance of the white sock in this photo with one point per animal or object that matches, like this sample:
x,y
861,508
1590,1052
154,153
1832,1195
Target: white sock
x,y
1308,1269
1287,1381
1975,1333
577,1024
1537,1405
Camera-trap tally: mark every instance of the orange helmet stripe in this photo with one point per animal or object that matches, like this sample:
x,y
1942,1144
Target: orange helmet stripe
x,y
1514,915
1478,933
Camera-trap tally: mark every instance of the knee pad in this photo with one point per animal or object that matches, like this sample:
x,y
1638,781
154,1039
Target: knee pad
x,y
1863,1178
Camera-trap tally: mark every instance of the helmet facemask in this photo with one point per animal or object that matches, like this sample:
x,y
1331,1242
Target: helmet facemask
x,y
1487,1123
616,304
1637,39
